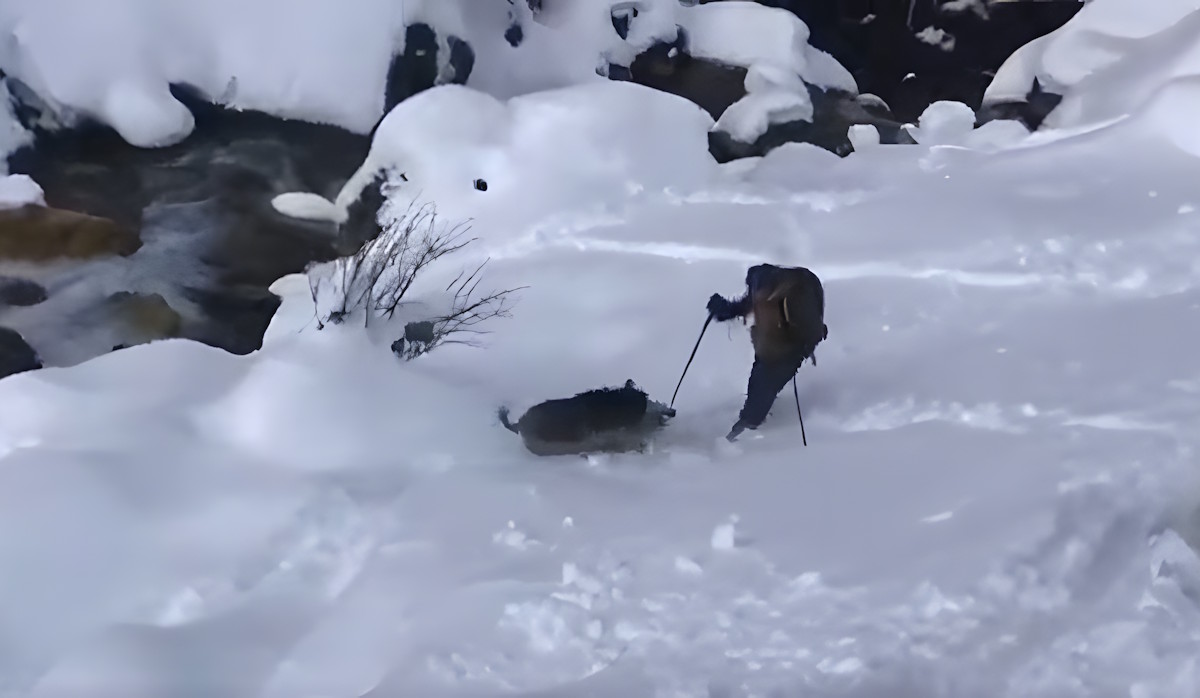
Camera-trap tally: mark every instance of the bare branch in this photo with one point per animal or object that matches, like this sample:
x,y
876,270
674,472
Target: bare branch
x,y
378,277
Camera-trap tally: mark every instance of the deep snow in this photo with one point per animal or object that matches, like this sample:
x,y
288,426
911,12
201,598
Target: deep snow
x,y
999,497
995,500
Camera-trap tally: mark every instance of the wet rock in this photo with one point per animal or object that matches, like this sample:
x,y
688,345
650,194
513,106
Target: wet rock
x,y
236,318
17,292
16,356
143,318
39,233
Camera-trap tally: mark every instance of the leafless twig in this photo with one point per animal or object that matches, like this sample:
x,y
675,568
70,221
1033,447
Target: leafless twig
x,y
376,279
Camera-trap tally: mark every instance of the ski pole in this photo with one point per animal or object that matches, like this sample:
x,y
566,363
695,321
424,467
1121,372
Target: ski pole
x,y
796,392
689,361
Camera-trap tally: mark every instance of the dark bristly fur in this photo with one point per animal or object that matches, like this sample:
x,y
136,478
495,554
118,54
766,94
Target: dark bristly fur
x,y
602,420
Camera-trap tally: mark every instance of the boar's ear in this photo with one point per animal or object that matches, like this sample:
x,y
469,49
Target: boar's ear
x,y
630,384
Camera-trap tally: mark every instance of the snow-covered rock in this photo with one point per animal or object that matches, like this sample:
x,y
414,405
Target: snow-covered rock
x,y
445,139
944,123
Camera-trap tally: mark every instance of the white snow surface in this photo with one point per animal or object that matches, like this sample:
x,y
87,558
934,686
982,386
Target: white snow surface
x,y
943,123
744,33
135,48
774,95
998,497
18,190
1108,61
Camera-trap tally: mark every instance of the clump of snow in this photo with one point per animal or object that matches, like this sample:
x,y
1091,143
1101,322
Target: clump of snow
x,y
1107,61
773,96
146,115
20,190
745,33
935,36
943,123
863,136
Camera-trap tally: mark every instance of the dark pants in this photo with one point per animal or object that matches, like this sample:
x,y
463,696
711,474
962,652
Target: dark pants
x,y
767,379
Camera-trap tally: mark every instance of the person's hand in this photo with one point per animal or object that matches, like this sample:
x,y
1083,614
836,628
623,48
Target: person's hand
x,y
719,308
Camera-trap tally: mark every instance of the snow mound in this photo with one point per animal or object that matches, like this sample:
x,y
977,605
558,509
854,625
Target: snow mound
x,y
943,123
564,149
20,190
1107,61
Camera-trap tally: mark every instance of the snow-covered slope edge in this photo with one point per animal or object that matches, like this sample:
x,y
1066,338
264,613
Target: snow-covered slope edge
x,y
1106,61
984,509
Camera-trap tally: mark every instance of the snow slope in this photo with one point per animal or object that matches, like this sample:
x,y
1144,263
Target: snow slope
x,y
997,498
1107,61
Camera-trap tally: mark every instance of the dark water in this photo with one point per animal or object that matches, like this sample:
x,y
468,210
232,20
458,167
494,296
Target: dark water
x,y
212,243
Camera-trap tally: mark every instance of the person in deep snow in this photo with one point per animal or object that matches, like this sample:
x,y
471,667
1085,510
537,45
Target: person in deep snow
x,y
788,304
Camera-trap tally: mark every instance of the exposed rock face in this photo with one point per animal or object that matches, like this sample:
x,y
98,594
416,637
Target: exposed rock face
x,y
17,292
38,234
16,356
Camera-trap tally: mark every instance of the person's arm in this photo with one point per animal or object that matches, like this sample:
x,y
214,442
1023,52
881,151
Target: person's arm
x,y
722,309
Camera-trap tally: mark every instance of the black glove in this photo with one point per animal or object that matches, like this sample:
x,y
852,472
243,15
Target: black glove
x,y
719,308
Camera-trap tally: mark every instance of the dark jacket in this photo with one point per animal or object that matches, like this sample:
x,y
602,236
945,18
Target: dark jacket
x,y
788,304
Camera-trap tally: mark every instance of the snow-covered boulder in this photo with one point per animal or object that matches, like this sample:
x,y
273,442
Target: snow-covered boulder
x,y
833,115
753,69
427,59
471,154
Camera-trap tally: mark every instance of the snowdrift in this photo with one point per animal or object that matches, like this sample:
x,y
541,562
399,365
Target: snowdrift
x,y
1108,61
994,501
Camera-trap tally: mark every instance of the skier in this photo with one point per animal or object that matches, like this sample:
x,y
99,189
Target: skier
x,y
788,304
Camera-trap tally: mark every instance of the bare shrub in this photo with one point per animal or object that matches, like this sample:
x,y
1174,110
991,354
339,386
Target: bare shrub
x,y
376,279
